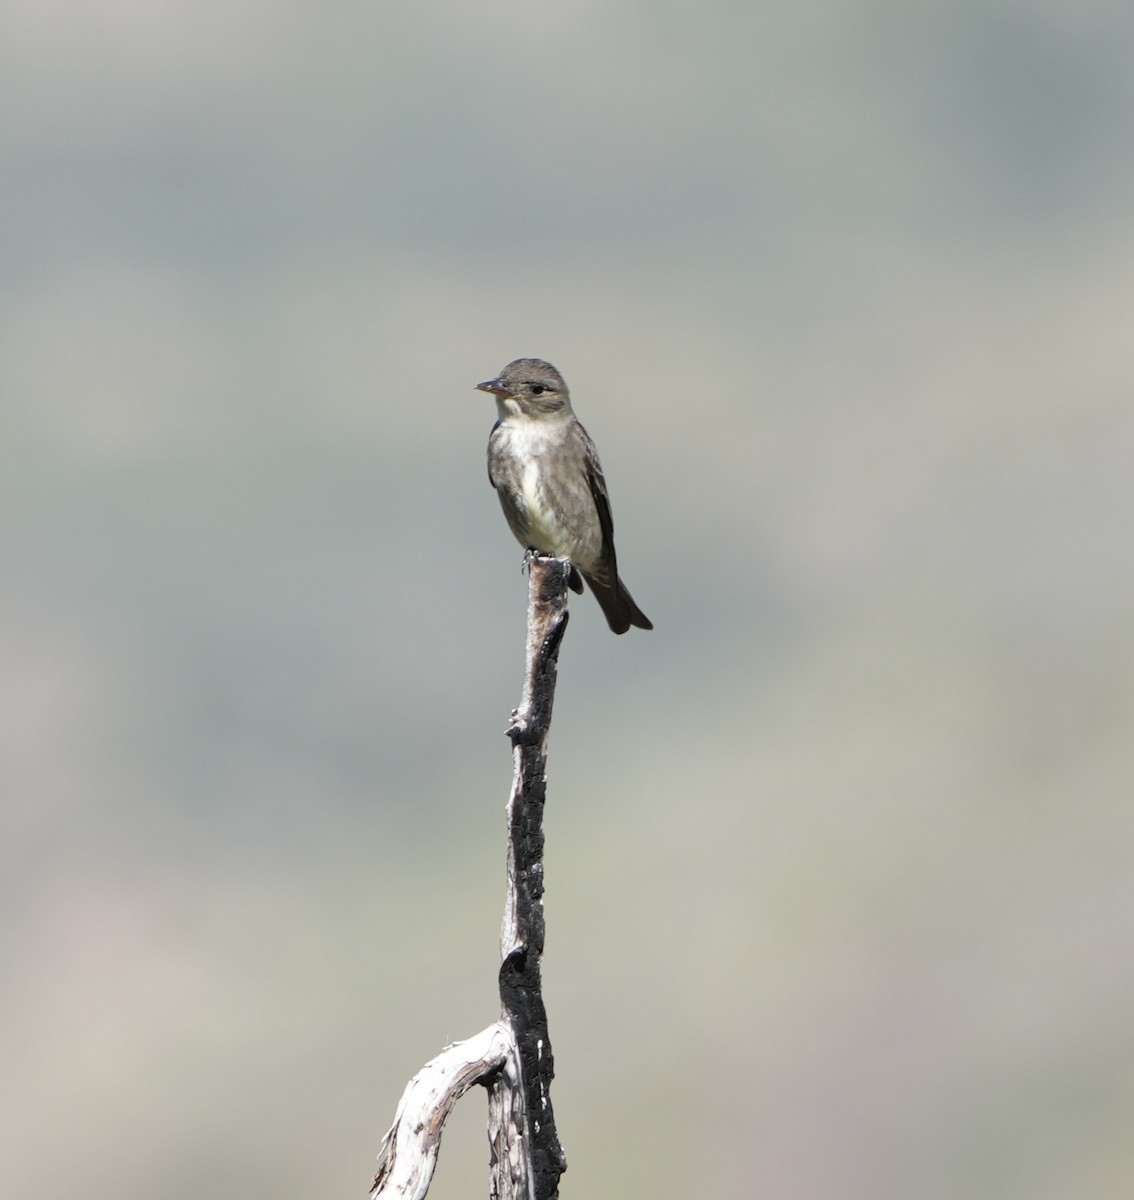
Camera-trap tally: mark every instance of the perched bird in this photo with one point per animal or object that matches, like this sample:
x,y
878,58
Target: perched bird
x,y
547,474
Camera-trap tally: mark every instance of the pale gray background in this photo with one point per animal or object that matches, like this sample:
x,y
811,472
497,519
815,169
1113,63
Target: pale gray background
x,y
841,857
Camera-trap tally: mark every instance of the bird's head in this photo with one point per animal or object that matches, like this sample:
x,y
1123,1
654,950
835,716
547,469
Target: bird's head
x,y
528,387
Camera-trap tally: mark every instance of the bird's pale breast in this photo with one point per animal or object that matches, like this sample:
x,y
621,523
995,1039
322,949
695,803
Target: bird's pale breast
x,y
546,474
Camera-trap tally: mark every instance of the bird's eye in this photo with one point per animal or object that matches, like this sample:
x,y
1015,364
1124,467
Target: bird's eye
x,y
538,389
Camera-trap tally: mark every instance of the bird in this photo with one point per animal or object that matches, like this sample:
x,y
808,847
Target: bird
x,y
550,484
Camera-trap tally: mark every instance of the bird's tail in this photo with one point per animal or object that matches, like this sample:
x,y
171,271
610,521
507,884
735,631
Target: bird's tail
x,y
618,605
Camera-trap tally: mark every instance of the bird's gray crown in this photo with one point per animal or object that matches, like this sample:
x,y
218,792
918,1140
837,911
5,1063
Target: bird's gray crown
x,y
532,371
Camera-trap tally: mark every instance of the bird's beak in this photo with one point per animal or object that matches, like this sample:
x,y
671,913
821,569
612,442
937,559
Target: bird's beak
x,y
494,386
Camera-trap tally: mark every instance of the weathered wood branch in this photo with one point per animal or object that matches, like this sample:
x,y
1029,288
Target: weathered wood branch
x,y
512,1058
522,932
409,1150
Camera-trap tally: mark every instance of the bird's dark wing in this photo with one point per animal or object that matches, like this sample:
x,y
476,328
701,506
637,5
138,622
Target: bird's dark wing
x,y
491,439
597,483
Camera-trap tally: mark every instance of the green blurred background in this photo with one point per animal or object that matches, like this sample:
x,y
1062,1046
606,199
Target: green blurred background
x,y
840,858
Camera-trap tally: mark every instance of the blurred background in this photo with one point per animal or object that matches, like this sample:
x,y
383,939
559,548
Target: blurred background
x,y
840,858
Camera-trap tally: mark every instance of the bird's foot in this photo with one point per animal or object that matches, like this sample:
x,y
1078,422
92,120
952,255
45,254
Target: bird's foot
x,y
532,553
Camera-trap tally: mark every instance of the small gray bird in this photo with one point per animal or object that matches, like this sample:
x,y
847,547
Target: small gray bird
x,y
547,474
